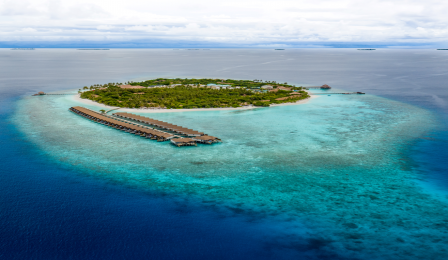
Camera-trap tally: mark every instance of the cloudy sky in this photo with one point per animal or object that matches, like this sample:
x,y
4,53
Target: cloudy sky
x,y
246,23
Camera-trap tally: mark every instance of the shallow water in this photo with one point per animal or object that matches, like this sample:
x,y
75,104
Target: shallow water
x,y
337,177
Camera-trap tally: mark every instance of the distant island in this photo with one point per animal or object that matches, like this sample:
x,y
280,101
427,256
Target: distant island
x,y
366,49
193,93
22,49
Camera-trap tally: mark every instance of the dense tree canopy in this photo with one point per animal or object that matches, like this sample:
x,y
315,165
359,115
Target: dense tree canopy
x,y
194,93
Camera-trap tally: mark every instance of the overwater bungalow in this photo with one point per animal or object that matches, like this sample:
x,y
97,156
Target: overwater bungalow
x,y
205,139
145,131
160,124
123,126
183,142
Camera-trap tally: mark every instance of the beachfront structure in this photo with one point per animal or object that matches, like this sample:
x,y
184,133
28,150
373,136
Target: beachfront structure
x,y
218,86
268,87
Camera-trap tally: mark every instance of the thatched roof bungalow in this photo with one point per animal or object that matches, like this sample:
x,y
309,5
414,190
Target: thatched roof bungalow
x,y
183,142
130,128
205,139
161,124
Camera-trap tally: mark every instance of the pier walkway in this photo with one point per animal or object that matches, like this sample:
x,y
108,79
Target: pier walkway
x,y
127,125
161,124
130,128
333,93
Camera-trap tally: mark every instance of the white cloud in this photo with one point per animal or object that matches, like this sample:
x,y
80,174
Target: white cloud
x,y
28,30
260,22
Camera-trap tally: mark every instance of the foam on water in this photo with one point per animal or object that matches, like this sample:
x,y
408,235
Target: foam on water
x,y
335,164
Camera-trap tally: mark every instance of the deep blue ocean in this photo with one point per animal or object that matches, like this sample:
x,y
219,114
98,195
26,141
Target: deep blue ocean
x,y
339,177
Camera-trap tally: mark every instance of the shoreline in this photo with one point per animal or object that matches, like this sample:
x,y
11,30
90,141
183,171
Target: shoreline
x,y
77,98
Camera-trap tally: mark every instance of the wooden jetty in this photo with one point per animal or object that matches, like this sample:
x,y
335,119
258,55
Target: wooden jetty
x,y
161,124
346,93
145,131
164,125
324,86
195,135
123,126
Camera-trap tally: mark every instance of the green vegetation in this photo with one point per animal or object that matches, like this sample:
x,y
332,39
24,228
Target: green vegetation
x,y
194,93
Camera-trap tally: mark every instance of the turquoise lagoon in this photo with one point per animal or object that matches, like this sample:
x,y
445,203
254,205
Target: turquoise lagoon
x,y
333,172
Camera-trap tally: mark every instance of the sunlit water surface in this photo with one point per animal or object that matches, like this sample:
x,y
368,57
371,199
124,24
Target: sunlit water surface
x,y
337,177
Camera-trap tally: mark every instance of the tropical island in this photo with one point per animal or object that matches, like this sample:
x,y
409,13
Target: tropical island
x,y
193,93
